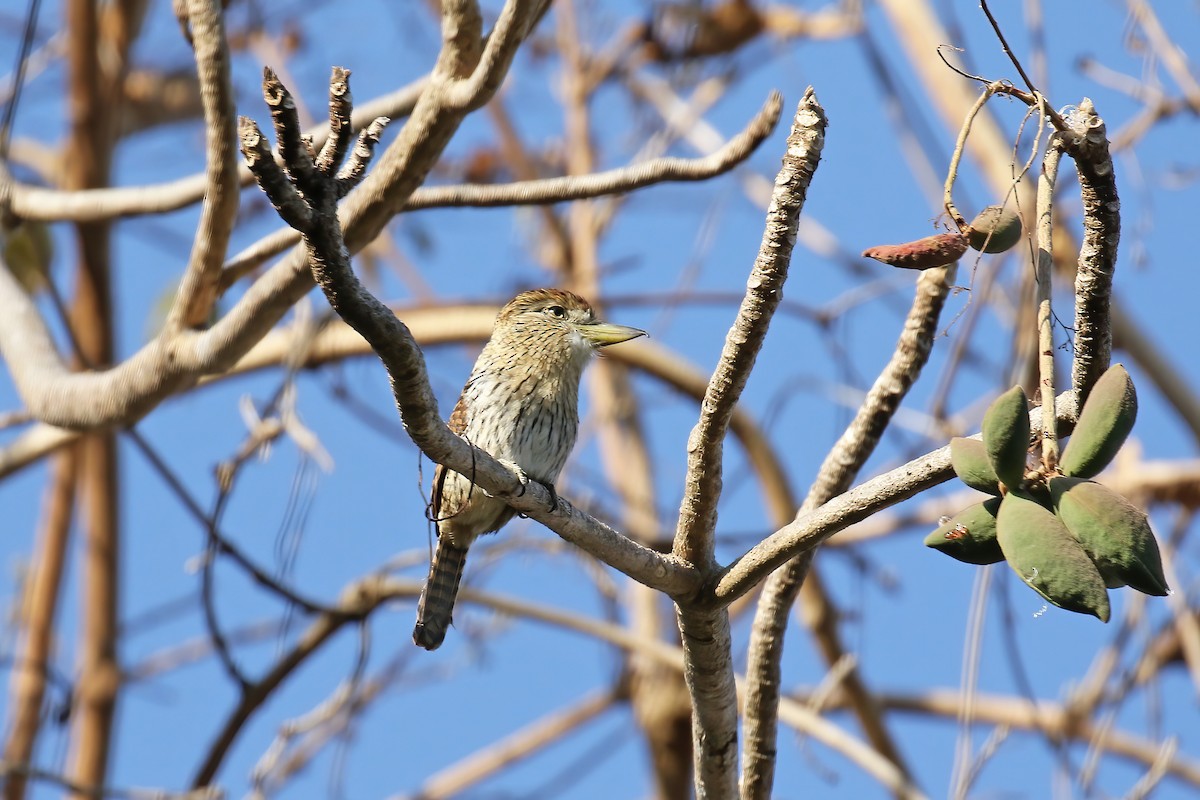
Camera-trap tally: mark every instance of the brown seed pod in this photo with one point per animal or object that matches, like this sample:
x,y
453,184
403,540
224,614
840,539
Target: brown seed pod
x,y
927,253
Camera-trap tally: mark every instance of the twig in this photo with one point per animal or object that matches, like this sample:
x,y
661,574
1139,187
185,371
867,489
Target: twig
x,y
1043,268
615,181
952,172
1050,112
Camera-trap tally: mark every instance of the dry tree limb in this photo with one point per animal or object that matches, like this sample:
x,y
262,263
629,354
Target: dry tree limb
x,y
34,652
97,205
547,191
1098,251
705,632
198,290
1043,269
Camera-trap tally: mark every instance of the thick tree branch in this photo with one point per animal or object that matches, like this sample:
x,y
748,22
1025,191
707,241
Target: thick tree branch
x,y
1098,252
705,632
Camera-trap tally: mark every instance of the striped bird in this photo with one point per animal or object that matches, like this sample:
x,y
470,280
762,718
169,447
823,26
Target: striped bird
x,y
521,405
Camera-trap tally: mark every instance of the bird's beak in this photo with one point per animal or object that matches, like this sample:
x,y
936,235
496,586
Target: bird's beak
x,y
602,334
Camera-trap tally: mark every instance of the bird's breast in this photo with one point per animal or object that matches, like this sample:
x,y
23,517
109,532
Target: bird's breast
x,y
527,420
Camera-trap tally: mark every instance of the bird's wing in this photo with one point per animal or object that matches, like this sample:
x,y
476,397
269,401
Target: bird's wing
x,y
457,423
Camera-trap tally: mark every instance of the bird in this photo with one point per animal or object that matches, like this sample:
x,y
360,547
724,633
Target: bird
x,y
521,405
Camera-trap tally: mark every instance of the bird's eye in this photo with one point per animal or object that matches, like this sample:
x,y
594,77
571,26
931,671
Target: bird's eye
x,y
557,311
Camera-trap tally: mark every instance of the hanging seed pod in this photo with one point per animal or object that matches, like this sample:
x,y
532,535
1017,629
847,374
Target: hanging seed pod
x,y
970,461
1006,436
927,253
1105,422
970,535
1002,223
1114,533
1048,558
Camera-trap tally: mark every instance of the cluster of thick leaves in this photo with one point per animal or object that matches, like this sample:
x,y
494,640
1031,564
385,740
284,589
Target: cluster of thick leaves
x,y
1068,537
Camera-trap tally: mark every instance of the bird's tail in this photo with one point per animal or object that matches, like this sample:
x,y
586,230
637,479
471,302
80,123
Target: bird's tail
x,y
436,606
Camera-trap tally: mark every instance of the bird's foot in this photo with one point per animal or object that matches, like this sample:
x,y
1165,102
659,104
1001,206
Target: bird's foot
x,y
525,480
521,476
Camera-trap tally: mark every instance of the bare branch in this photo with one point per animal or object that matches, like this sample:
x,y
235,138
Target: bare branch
x,y
1043,269
615,181
1098,252
34,651
198,289
705,633
515,23
96,205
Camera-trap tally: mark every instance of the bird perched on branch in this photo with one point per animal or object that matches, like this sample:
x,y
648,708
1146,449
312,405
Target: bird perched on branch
x,y
521,406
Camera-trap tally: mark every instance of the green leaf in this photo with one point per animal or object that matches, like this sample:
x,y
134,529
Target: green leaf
x,y
1006,436
1105,422
970,535
1113,532
1048,558
970,461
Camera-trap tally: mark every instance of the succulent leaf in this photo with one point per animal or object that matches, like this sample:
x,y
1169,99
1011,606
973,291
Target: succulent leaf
x,y
1113,532
1006,436
1105,422
970,535
1048,558
1002,223
970,461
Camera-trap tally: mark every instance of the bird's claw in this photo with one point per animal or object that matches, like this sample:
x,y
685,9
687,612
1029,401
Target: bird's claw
x,y
525,480
521,476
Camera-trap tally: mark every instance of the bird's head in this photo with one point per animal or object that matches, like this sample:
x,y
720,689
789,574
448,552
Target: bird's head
x,y
558,323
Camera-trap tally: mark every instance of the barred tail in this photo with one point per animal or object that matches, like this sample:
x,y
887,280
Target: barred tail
x,y
436,606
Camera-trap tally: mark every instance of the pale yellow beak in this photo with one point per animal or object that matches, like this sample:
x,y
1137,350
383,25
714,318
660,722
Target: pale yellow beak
x,y
602,334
